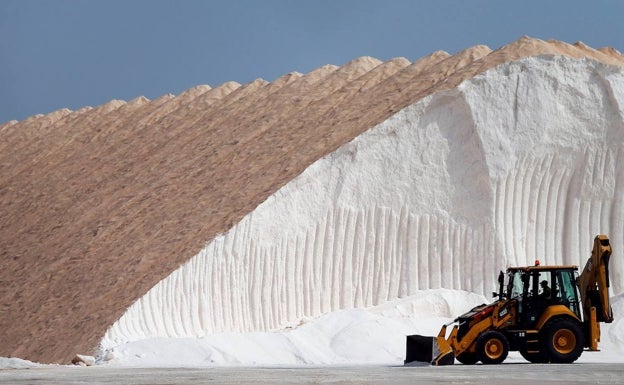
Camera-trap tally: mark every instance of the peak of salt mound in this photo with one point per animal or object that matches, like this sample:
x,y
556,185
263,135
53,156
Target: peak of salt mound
x,y
574,50
464,60
188,95
247,89
475,52
51,118
382,71
56,115
597,54
164,97
72,115
110,106
456,64
82,110
354,69
139,101
436,56
610,51
580,50
7,124
157,108
613,53
428,60
400,61
584,48
195,91
33,118
39,121
423,69
525,46
224,89
60,112
577,50
438,53
393,65
364,63
202,97
286,78
257,82
320,72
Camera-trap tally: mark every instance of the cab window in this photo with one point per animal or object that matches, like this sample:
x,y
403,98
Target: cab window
x,y
567,290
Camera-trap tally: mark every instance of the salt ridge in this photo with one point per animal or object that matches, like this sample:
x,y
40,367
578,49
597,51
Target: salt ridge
x,y
515,164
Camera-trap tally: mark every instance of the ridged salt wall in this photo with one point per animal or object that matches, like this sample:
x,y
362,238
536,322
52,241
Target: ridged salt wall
x,y
520,163
563,209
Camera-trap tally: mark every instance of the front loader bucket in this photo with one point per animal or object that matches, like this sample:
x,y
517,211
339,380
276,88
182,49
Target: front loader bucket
x,y
434,350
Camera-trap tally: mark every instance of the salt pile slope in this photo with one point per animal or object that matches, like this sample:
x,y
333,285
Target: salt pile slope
x,y
518,163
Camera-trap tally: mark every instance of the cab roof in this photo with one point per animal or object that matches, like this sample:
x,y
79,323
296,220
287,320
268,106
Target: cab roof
x,y
543,268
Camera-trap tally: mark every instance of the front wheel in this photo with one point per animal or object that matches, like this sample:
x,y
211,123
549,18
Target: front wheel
x,y
468,358
492,347
563,340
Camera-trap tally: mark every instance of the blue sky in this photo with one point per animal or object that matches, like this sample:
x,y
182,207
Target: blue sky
x,y
76,53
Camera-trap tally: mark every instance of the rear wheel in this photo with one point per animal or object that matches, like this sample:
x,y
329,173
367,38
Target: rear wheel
x,y
563,340
535,358
492,347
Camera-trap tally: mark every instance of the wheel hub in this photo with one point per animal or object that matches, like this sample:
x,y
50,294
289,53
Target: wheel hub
x,y
493,348
564,341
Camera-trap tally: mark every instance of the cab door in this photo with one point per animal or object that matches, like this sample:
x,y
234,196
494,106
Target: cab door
x,y
566,291
538,294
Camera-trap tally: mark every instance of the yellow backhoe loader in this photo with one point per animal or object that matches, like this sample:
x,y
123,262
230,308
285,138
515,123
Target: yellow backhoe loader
x,y
548,313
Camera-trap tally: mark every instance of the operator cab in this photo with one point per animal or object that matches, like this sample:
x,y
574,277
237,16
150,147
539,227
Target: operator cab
x,y
537,287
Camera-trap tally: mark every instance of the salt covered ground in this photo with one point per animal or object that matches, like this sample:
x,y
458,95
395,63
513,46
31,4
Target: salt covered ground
x,y
518,374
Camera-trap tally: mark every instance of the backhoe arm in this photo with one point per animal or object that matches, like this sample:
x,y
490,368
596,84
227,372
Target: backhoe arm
x,y
594,282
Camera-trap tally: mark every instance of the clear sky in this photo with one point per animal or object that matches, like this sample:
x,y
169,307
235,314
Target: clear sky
x,y
76,53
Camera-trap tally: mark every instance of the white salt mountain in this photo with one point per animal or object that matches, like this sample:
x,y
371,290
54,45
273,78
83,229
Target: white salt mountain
x,y
521,162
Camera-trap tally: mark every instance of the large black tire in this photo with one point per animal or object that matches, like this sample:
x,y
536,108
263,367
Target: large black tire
x,y
563,340
492,347
468,358
534,358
